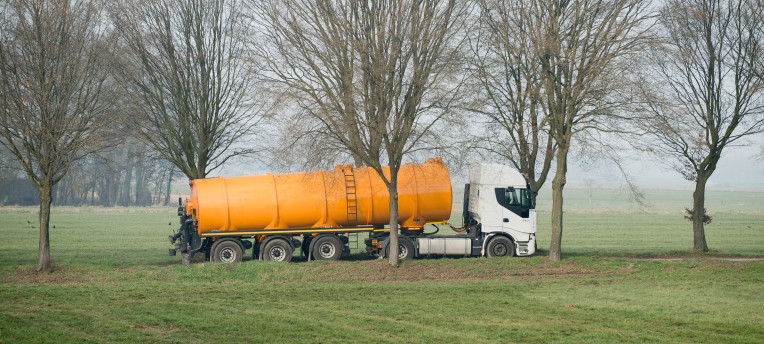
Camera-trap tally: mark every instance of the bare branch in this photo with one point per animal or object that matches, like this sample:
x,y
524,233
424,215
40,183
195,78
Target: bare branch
x,y
187,64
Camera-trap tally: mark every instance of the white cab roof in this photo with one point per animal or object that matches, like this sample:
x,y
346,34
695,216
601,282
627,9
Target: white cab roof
x,y
496,174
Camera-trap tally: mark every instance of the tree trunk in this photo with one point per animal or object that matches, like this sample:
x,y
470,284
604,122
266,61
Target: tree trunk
x,y
201,167
393,190
698,214
169,184
126,195
108,191
534,192
558,183
357,161
139,184
46,198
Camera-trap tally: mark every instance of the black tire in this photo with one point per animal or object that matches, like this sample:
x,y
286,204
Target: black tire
x,y
500,246
327,248
227,251
277,250
405,249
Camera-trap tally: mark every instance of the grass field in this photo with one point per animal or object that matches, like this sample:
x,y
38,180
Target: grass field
x,y
114,283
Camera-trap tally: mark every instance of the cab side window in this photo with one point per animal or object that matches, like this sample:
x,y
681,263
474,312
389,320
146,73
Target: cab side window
x,y
510,197
515,200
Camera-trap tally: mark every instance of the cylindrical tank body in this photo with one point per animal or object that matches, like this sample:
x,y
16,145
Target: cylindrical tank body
x,y
344,197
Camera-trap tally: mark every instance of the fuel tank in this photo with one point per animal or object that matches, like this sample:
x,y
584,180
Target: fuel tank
x,y
343,197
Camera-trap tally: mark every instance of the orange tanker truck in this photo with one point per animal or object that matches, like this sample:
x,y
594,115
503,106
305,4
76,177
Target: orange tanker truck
x,y
273,215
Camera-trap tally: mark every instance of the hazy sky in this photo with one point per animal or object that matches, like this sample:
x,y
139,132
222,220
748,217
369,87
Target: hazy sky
x,y
739,169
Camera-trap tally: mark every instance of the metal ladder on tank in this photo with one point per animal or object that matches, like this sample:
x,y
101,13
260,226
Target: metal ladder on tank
x,y
352,205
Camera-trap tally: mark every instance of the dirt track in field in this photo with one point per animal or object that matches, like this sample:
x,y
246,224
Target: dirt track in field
x,y
356,269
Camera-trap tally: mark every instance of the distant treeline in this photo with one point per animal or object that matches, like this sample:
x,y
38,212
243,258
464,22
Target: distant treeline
x,y
130,174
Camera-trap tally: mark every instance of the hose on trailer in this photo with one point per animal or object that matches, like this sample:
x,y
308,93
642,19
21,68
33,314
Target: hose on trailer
x,y
460,230
437,229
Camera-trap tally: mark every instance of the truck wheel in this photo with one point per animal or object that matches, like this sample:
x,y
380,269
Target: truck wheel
x,y
500,246
327,248
405,249
227,251
278,251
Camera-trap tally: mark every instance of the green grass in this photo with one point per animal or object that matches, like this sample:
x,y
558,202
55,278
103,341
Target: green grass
x,y
655,200
616,226
623,233
113,282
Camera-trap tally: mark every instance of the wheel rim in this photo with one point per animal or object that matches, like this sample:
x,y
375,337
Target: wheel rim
x,y
276,253
227,255
403,251
500,249
326,250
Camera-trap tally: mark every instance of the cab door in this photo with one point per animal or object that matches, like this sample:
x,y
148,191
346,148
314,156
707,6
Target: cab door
x,y
518,214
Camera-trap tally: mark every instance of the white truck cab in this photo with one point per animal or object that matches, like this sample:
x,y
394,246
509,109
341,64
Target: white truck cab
x,y
498,199
499,218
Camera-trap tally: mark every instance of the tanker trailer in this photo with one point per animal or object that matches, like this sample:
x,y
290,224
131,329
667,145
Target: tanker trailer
x,y
226,216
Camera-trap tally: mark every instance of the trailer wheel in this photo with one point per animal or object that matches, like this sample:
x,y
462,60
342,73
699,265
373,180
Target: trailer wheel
x,y
500,246
226,251
327,248
278,251
405,249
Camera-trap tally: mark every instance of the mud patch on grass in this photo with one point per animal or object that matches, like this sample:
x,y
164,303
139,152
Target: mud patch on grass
x,y
441,270
28,275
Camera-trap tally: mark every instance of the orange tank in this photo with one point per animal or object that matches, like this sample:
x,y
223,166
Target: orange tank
x,y
344,197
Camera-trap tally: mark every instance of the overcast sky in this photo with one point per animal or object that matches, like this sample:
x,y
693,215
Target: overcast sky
x,y
739,169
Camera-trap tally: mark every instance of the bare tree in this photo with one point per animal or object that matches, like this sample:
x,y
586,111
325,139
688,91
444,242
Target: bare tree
x,y
376,75
584,48
52,74
589,185
187,63
708,92
306,144
510,79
